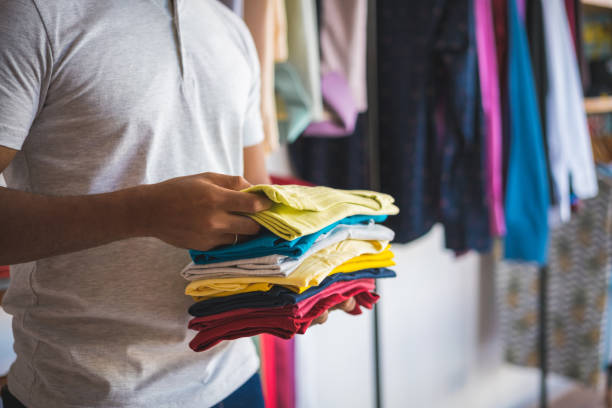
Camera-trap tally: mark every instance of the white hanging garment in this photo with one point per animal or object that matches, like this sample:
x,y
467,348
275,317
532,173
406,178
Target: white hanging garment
x,y
569,145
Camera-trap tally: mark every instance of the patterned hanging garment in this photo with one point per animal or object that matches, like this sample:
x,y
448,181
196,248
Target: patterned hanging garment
x,y
579,266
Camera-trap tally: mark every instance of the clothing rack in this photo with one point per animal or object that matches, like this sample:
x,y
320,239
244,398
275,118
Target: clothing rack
x,y
542,330
374,182
374,167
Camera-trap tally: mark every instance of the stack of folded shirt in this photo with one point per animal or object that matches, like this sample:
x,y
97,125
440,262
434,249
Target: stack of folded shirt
x,y
320,247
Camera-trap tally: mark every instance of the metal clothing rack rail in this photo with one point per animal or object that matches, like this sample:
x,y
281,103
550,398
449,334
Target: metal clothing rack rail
x,y
542,330
374,167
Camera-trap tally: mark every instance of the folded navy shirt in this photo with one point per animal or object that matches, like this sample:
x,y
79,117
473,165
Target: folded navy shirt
x,y
267,243
279,295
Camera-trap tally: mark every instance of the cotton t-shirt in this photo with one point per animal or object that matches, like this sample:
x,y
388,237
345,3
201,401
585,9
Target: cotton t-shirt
x,y
99,96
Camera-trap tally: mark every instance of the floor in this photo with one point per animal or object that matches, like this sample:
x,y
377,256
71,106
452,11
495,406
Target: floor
x,y
579,397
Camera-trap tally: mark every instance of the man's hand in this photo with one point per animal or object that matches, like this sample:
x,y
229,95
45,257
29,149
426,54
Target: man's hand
x,y
348,305
198,212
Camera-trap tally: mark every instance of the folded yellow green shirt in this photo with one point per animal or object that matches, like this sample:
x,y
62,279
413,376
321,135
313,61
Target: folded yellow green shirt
x,y
300,210
310,273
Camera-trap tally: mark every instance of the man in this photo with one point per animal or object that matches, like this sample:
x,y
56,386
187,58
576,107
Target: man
x,y
124,128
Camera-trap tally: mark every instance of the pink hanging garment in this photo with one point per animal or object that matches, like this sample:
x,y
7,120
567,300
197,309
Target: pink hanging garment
x,y
268,370
489,87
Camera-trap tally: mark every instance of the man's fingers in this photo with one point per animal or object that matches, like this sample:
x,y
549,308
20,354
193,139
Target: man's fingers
x,y
229,197
236,183
236,224
226,239
348,305
245,202
321,319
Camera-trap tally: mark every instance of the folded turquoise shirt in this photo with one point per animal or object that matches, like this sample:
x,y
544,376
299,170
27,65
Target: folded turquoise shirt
x,y
267,243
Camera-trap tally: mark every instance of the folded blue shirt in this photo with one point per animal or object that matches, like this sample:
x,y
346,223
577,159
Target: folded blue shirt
x,y
267,243
278,295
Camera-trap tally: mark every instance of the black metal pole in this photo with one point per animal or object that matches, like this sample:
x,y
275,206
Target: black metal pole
x,y
542,334
374,165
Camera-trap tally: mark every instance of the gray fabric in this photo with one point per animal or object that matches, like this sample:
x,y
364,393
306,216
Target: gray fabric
x,y
269,265
98,96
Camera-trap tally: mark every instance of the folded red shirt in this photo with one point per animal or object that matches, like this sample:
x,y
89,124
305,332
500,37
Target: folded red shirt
x,y
283,321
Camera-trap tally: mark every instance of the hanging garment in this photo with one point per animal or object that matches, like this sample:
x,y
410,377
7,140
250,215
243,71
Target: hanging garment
x,y
339,107
570,12
339,163
527,197
500,18
300,210
266,22
278,371
489,85
279,295
343,67
460,128
571,156
294,107
237,6
521,7
303,40
537,48
267,368
578,276
284,321
267,243
280,265
427,63
583,63
343,44
289,180
310,273
285,369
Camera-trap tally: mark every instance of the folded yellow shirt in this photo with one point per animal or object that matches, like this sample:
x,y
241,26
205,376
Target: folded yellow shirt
x,y
380,260
300,210
310,273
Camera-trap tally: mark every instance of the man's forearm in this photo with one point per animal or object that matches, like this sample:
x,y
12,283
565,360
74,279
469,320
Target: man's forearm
x,y
198,211
255,165
34,226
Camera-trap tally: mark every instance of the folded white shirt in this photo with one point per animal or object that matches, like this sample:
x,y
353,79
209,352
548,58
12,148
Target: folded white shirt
x,y
282,265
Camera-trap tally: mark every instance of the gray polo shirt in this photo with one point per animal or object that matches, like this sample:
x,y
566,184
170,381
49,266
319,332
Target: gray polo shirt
x,y
98,96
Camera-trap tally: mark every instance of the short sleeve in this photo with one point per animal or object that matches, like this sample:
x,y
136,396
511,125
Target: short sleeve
x,y
25,63
253,123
